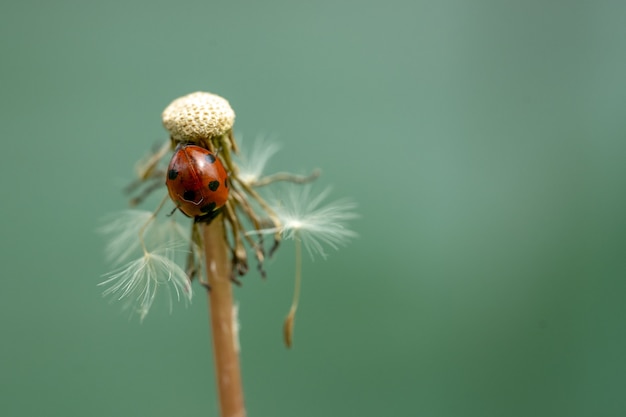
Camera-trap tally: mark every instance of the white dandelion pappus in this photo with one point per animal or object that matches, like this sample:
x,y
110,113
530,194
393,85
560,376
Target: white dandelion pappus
x,y
171,234
138,282
311,223
252,160
304,216
122,231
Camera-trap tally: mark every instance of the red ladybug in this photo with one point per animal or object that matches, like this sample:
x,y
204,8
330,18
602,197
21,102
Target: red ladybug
x,y
197,182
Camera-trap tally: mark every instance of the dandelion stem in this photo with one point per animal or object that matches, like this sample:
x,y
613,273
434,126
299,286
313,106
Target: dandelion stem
x,y
296,290
291,317
223,325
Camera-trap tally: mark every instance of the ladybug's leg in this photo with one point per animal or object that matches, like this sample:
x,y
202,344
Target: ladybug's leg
x,y
207,218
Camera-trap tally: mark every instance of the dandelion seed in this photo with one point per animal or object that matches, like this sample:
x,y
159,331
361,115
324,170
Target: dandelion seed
x,y
304,216
169,232
252,160
173,235
122,230
312,224
138,282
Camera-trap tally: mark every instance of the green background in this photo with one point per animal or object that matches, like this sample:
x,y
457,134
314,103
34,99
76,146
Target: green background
x,y
483,141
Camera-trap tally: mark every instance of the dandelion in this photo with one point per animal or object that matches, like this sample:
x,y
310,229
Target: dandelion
x,y
228,217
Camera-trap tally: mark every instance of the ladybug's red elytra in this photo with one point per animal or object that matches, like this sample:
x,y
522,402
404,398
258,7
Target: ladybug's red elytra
x,y
197,182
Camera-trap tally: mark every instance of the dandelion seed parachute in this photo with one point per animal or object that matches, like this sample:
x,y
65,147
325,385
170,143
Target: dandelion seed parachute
x,y
311,223
304,216
137,282
252,160
122,230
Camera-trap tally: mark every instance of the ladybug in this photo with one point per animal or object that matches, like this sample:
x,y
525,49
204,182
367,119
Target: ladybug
x,y
197,182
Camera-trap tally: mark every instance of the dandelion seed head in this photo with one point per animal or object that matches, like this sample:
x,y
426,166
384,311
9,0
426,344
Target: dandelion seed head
x,y
197,117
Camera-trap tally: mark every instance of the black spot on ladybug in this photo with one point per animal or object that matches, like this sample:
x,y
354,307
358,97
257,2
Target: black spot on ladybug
x,y
214,185
210,157
208,207
226,182
172,174
189,195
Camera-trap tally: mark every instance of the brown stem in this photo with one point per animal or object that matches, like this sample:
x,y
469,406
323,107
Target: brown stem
x,y
223,326
286,177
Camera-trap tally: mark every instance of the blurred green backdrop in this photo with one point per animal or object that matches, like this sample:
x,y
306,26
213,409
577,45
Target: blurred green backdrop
x,y
484,142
